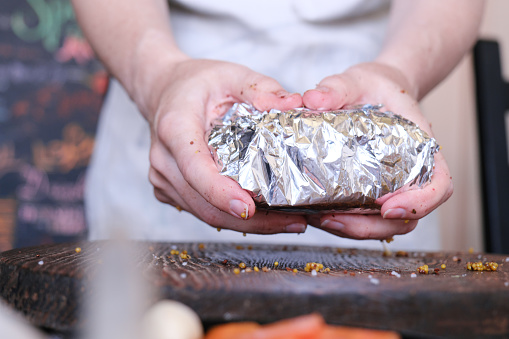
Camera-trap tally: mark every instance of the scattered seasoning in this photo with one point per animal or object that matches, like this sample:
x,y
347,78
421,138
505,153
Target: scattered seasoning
x,y
288,269
479,266
192,142
178,208
295,270
396,274
37,255
225,261
242,265
41,262
201,246
184,255
424,269
250,247
471,250
236,271
327,270
414,211
436,269
77,249
256,269
313,266
345,272
244,234
352,274
276,264
407,221
249,270
265,269
442,266
389,240
219,229
456,259
339,250
239,247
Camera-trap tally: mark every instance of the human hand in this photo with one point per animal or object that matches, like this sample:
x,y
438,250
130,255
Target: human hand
x,y
379,83
186,101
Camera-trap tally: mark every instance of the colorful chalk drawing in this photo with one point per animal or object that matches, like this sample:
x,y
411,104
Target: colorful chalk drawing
x,y
51,91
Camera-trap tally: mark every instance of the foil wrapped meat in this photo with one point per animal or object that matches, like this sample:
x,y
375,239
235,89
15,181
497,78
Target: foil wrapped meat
x,y
311,161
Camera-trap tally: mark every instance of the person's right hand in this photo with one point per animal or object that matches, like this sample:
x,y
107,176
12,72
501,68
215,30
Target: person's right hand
x,y
185,101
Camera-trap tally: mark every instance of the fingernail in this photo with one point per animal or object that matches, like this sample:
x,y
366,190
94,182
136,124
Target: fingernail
x,y
295,228
322,89
239,209
333,225
395,213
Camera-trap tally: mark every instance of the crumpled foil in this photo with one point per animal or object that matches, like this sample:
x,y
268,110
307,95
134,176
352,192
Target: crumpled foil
x,y
310,161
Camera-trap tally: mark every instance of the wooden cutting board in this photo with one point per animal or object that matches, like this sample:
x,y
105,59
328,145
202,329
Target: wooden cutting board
x,y
363,288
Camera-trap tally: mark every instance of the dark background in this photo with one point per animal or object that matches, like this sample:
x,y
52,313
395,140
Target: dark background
x,y
51,91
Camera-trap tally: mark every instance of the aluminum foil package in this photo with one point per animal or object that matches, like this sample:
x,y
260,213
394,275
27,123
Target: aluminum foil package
x,y
309,161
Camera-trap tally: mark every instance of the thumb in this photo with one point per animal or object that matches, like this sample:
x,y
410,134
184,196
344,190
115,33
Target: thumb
x,y
333,92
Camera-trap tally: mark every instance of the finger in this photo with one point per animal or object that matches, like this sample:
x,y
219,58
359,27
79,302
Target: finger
x,y
262,222
265,93
165,192
333,92
417,203
365,226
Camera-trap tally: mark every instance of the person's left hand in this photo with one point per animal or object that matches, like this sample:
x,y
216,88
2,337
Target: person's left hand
x,y
374,83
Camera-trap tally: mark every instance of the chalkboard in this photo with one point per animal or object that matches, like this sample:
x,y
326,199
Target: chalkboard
x,y
51,91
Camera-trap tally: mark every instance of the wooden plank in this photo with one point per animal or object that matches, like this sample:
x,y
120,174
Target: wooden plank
x,y
376,291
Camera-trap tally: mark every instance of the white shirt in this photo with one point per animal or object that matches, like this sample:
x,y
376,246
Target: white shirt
x,y
296,42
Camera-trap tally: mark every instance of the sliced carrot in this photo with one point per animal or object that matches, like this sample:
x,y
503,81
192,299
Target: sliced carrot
x,y
335,332
306,326
232,330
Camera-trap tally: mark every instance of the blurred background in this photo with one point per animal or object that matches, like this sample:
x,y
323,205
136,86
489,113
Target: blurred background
x,y
51,91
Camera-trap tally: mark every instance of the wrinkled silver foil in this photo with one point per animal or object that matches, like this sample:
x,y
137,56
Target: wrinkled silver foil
x,y
310,161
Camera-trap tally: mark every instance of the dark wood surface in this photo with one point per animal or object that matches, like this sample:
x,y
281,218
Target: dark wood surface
x,y
364,288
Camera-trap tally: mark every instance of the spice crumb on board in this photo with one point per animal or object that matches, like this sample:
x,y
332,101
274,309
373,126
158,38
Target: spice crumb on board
x,y
77,249
313,266
242,265
236,270
256,269
424,269
479,266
